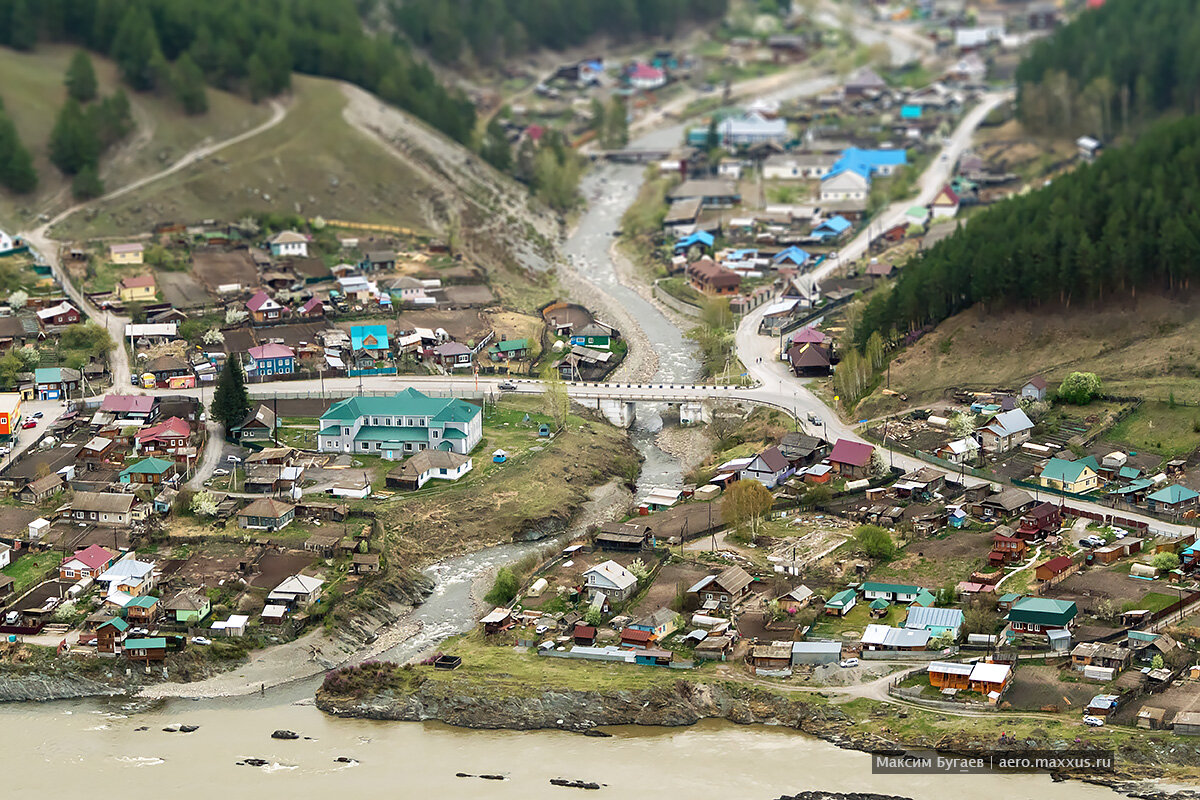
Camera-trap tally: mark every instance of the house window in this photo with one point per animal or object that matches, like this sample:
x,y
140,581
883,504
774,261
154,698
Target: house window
x,y
435,433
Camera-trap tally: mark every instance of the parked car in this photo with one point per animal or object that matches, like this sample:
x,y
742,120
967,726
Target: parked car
x,y
37,415
219,472
849,662
201,640
540,629
1093,541
232,459
1093,722
29,423
508,386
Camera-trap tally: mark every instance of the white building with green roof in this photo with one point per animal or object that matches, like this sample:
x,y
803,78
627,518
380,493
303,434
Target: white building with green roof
x,y
397,426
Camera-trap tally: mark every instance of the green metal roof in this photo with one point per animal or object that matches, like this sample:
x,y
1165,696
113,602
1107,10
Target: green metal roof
x,y
1173,494
453,433
841,599
408,403
894,588
457,411
1043,611
391,433
879,605
118,623
1059,469
145,601
152,643
510,345
149,466
925,598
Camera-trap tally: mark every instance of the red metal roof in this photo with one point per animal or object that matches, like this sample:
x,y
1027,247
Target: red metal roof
x,y
93,556
1057,565
856,454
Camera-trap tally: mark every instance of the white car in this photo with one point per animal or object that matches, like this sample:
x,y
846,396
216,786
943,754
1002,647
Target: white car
x,y
201,640
233,459
220,472
540,629
1093,722
849,662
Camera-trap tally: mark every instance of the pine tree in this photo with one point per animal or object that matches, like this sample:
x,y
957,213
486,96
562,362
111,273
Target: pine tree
x,y
16,165
259,78
23,25
231,401
81,78
136,50
73,142
87,183
188,82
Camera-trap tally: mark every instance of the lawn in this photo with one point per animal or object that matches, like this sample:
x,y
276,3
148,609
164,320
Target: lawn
x,y
30,568
535,492
34,92
314,157
1151,601
856,621
1170,431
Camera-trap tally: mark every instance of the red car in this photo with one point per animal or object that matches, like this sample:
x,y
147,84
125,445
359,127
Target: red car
x,y
29,423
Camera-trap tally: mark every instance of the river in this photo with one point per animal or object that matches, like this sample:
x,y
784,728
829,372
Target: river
x,y
86,746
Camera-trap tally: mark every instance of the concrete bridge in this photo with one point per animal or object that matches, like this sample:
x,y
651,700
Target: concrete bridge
x,y
618,401
630,156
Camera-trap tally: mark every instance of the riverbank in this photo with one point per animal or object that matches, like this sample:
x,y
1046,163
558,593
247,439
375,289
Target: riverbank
x,y
860,725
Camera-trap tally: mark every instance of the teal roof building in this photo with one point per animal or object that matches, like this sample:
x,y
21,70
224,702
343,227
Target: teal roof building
x,y
400,425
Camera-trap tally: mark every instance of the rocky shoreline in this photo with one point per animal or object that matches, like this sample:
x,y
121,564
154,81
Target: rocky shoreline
x,y
684,703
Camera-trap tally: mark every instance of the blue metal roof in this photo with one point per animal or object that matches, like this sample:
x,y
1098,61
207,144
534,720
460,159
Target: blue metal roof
x,y
920,617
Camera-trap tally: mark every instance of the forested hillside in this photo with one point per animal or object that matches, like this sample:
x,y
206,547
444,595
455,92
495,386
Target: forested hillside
x,y
487,31
1126,223
248,45
1117,66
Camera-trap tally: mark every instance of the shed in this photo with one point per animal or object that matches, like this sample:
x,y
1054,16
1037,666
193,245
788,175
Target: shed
x,y
1187,723
815,652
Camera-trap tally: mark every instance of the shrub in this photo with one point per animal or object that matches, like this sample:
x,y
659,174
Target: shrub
x,y
1079,388
875,542
504,589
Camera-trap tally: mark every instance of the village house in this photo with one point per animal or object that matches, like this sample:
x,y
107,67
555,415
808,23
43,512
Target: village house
x,y
110,634
1040,521
610,579
802,450
10,412
166,367
497,620
1041,615
142,610
137,289
269,360
1007,430
266,514
263,308
1077,477
146,649
258,426
841,603
126,253
884,637
845,184
921,483
188,607
106,509
710,278
86,563
453,355
169,436
151,471
61,314
629,537
1004,504
773,658
945,204
658,624
126,579
297,591
509,350
1055,569
712,193
419,468
1034,388
796,599
798,166
815,653
1172,499
809,360
892,592
1007,550
1100,654
769,468
938,621
38,490
56,383
404,423
851,459
288,243
723,590
594,335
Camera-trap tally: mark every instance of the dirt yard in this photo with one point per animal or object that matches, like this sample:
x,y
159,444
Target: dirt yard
x,y
1038,687
662,593
218,561
932,563
1091,586
215,268
274,567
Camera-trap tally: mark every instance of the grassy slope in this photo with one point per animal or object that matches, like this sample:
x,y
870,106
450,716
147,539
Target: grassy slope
x,y
1148,347
33,93
290,167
